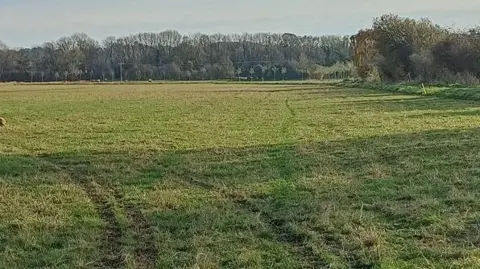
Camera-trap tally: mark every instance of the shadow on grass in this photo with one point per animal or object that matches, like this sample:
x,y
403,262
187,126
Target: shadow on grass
x,y
33,89
340,203
373,100
447,114
470,93
411,104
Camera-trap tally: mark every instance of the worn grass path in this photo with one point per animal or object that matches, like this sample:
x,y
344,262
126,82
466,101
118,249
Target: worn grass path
x,y
237,176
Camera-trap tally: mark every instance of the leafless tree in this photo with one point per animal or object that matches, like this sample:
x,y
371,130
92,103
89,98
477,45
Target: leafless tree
x,y
239,72
252,72
274,70
215,56
264,69
284,72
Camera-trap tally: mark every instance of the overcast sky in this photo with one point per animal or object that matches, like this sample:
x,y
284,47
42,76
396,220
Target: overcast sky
x,y
32,22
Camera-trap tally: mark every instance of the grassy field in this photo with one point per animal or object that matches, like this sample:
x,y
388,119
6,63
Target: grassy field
x,y
454,91
237,176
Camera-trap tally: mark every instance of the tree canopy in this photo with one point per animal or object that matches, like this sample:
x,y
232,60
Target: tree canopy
x,y
403,49
170,55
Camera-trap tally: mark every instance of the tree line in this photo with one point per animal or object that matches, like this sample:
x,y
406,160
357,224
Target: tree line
x,y
169,55
398,49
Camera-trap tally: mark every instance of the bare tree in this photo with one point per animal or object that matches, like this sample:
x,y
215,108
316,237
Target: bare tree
x,y
31,71
274,70
304,65
164,74
252,72
216,53
32,74
264,69
3,58
284,72
151,73
239,72
79,74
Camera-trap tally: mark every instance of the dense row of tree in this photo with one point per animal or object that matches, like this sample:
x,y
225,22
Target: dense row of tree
x,y
403,49
393,49
169,55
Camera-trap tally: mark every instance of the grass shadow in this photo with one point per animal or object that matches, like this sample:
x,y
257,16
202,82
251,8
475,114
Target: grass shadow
x,y
448,114
407,198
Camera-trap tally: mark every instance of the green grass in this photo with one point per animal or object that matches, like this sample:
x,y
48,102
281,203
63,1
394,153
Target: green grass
x,y
453,91
237,176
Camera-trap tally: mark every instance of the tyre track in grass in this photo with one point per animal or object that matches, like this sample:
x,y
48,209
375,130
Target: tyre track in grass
x,y
283,232
112,255
104,197
290,109
145,250
279,228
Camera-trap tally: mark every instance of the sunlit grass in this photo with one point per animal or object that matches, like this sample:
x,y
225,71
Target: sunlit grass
x,y
236,176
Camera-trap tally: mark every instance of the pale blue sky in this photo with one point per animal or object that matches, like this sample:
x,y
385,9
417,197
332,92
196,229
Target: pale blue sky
x,y
32,22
